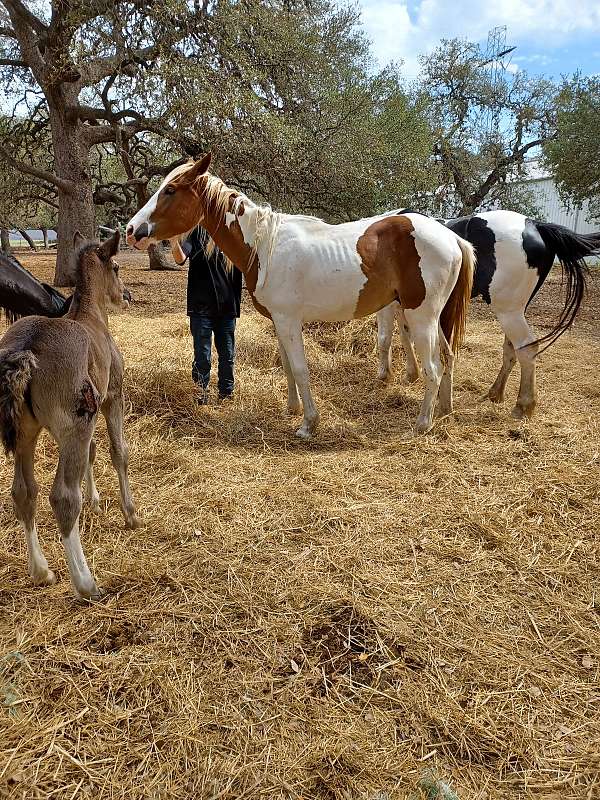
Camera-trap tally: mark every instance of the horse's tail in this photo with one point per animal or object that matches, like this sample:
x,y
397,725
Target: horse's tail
x,y
454,315
570,249
15,376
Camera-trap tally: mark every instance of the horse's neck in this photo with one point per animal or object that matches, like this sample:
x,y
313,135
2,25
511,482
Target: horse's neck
x,y
88,299
237,232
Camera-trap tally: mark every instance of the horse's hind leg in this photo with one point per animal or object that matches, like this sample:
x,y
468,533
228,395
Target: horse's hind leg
x,y
65,499
386,318
119,454
91,492
520,335
445,394
424,330
24,494
509,359
411,368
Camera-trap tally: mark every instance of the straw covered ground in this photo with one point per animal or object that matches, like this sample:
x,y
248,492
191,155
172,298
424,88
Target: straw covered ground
x,y
364,616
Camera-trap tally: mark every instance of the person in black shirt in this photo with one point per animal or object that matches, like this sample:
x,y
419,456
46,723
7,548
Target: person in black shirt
x,y
213,304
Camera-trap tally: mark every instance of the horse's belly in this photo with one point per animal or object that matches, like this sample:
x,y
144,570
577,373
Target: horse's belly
x,y
325,287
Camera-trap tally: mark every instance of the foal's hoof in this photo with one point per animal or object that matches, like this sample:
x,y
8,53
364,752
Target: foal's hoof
x,y
384,376
294,409
410,377
47,578
91,594
423,426
304,433
133,522
493,397
95,505
522,412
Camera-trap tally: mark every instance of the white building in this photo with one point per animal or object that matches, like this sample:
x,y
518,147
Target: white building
x,y
552,209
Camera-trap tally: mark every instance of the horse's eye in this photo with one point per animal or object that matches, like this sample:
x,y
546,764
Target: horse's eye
x,y
169,190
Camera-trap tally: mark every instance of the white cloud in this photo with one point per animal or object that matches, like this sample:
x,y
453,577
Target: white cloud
x,y
396,34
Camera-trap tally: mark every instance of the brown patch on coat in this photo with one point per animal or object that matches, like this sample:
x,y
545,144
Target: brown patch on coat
x,y
390,261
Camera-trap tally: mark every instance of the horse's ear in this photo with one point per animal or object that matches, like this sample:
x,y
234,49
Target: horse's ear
x,y
199,168
78,239
110,247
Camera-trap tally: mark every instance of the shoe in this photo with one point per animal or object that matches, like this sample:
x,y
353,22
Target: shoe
x,y
226,396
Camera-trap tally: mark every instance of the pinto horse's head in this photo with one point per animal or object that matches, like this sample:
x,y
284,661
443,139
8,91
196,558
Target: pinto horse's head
x,y
175,208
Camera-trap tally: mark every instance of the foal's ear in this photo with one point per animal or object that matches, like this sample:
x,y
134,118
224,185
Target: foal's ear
x,y
78,239
110,247
199,168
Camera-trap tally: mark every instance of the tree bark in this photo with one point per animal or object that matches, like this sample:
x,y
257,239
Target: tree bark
x,y
5,240
45,235
157,257
27,238
71,159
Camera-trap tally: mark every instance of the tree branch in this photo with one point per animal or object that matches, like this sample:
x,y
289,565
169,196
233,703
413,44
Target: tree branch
x,y
42,174
22,11
11,62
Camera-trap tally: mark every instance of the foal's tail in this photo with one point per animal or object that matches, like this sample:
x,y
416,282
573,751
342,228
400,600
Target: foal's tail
x,y
570,249
15,375
454,315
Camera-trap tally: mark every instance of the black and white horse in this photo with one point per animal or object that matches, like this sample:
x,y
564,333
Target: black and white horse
x,y
514,256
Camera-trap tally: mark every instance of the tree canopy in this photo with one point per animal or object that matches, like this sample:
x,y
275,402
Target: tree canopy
x,y
574,153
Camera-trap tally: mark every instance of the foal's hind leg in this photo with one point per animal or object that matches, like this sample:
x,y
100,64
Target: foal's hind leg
x,y
509,359
65,499
119,454
91,493
424,330
293,403
24,494
516,328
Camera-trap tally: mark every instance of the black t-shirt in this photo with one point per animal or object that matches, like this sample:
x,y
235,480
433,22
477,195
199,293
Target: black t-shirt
x,y
213,290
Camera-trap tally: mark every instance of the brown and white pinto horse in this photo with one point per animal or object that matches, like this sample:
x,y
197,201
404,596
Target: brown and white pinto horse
x,y
300,269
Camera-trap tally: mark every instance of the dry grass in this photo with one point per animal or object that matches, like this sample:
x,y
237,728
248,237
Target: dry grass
x,y
319,620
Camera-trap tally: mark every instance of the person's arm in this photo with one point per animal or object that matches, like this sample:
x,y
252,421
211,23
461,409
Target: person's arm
x,y
181,250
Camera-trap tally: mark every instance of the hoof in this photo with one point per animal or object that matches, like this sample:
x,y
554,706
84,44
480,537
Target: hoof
x,y
410,377
47,578
422,426
133,522
521,412
304,433
494,398
384,377
95,505
91,594
294,410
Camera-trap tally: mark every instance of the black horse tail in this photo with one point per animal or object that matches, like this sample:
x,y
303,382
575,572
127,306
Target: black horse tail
x,y
570,249
15,376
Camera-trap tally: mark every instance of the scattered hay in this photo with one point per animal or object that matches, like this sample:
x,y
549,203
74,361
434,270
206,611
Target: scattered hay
x,y
317,620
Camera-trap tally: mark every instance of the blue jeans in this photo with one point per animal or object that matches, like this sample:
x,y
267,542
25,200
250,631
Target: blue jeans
x,y
202,329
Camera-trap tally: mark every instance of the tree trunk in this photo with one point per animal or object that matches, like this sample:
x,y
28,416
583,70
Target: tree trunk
x,y
5,240
157,256
45,235
28,239
75,206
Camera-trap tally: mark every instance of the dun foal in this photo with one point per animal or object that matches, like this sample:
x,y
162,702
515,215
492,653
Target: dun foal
x,y
57,374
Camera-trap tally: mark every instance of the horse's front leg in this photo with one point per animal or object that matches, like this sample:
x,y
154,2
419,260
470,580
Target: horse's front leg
x,y
289,333
293,402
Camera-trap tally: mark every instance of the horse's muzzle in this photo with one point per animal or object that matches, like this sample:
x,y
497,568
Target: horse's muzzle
x,y
137,235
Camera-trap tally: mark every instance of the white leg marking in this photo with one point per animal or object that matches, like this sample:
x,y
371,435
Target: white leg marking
x,y
424,331
517,330
412,372
38,566
385,329
293,402
289,333
81,577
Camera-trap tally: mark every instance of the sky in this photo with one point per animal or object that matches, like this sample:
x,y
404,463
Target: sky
x,y
552,37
